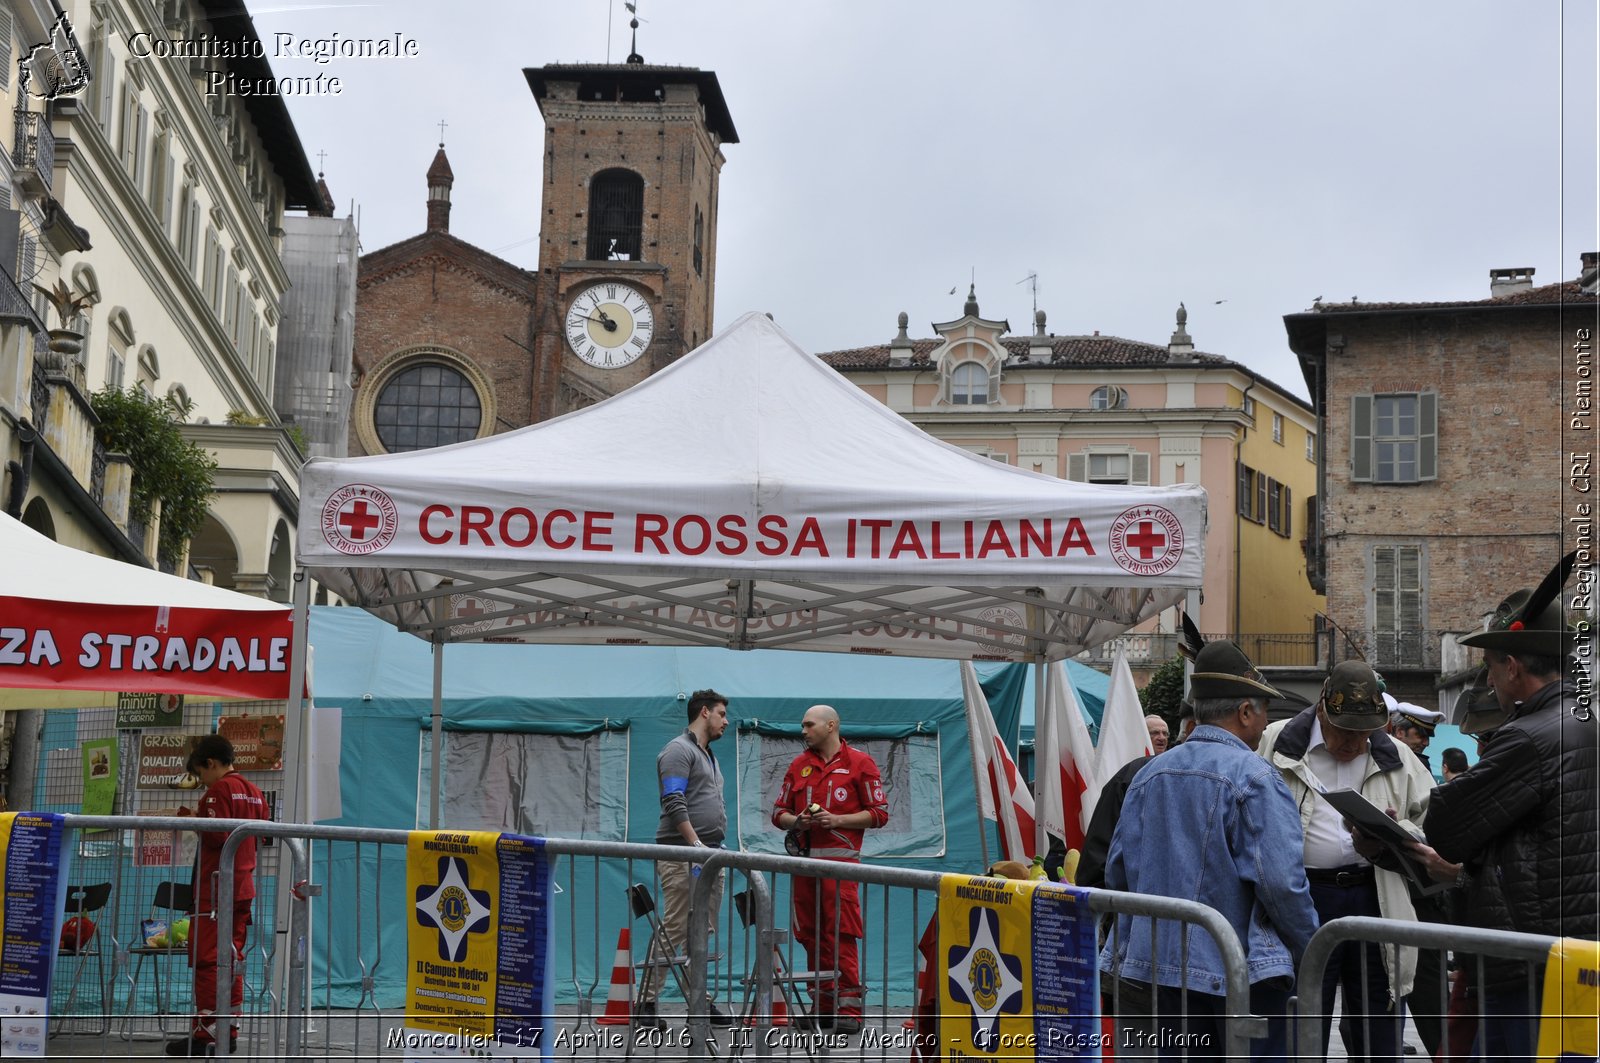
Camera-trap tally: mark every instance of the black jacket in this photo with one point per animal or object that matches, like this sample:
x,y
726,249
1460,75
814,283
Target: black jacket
x,y
1102,824
1525,820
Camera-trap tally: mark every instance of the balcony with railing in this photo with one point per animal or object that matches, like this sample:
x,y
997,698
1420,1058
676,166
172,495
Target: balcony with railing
x,y
33,152
1279,650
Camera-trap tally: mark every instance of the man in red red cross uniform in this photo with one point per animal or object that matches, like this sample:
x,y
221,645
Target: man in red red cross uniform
x,y
228,795
831,794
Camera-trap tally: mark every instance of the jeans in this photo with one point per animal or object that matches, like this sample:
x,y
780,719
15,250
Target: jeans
x,y
1374,1026
1198,1032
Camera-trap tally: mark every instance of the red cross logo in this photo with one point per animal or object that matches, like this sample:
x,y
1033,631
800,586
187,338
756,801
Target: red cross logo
x,y
1147,540
359,519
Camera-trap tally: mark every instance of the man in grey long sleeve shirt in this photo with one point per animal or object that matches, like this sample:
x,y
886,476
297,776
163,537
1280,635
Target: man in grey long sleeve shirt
x,y
692,813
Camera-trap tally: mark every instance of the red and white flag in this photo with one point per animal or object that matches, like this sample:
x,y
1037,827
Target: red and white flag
x,y
1002,794
1123,735
1064,758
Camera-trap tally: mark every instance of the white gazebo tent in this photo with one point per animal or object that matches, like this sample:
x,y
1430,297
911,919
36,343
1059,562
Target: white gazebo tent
x,y
747,496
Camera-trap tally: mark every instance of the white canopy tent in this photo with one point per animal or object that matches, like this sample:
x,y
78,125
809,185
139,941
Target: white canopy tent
x,y
746,496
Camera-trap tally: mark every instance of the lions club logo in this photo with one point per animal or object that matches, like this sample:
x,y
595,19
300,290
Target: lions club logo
x,y
985,978
453,907
1147,540
359,519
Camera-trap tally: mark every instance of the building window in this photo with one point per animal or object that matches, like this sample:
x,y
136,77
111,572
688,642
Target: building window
x,y
1249,406
1394,439
616,216
428,404
969,384
1277,428
699,238
1108,397
1311,446
1109,467
1397,605
1279,513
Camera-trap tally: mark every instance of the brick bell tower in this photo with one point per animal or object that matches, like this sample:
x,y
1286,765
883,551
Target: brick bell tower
x,y
627,243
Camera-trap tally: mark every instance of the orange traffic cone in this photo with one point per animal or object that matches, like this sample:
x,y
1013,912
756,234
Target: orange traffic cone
x,y
780,1011
619,1008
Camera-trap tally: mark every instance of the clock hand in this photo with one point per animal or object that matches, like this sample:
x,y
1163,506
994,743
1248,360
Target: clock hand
x,y
611,326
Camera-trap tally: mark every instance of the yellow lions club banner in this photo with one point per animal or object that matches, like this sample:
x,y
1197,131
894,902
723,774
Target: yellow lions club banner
x,y
478,946
1570,1026
1017,971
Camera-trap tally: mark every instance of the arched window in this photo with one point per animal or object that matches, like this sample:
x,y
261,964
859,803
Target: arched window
x,y
616,215
1108,397
969,384
426,404
149,370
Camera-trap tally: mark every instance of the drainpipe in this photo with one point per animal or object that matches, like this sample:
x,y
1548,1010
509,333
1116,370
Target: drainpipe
x,y
1238,520
21,472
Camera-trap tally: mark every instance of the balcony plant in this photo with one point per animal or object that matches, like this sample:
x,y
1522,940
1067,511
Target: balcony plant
x,y
165,464
64,339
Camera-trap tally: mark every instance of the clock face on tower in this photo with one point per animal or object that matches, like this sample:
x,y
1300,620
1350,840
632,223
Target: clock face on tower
x,y
609,324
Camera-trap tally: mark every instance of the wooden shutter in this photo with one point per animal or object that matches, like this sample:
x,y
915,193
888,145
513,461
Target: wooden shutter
x,y
1078,467
1139,469
1361,438
141,148
1288,513
1260,515
167,177
1242,492
5,46
1274,504
1427,436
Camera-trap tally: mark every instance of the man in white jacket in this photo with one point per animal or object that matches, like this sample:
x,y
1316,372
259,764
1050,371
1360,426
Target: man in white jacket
x,y
1339,743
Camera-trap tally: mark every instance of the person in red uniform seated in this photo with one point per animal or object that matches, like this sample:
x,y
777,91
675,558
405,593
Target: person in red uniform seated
x,y
228,795
831,794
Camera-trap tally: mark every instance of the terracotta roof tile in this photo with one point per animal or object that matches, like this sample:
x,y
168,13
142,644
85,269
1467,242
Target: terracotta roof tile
x,y
1544,295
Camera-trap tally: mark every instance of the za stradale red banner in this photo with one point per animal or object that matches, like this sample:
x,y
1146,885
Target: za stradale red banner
x,y
240,653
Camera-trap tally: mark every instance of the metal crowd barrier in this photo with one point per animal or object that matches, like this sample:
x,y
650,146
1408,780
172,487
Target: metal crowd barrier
x,y
321,988
1467,943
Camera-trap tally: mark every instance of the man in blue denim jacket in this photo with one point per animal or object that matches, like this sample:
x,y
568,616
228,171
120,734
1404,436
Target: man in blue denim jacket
x,y
1211,821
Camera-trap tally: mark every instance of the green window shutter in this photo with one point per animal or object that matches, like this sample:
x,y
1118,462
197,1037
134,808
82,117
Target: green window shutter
x,y
1242,492
1361,438
1078,467
1428,436
1261,499
1288,512
1140,473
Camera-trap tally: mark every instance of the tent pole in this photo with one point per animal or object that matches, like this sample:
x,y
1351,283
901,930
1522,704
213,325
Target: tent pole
x,y
297,805
977,784
438,734
1041,840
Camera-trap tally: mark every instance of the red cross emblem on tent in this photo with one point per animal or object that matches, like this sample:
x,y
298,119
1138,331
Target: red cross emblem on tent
x,y
1147,540
359,519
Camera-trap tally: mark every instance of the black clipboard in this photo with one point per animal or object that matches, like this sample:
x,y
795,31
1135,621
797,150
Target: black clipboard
x,y
1376,824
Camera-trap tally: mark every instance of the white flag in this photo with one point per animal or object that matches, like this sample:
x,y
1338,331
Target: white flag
x,y
1123,735
1064,755
1002,794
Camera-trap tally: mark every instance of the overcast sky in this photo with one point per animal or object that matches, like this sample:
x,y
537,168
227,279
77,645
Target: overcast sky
x,y
1242,157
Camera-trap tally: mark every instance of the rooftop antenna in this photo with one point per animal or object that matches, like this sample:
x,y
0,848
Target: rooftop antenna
x,y
611,9
634,58
1032,281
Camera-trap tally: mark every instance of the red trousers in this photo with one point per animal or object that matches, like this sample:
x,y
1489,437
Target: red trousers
x,y
203,958
827,921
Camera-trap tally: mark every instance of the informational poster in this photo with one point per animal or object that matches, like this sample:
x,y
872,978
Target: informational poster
x,y
32,854
257,741
1570,1026
478,946
1018,977
100,773
135,712
163,760
163,848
